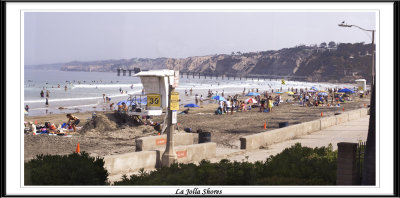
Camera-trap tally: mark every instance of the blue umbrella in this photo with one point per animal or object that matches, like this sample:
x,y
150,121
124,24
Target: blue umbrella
x,y
252,94
218,98
120,102
322,94
278,92
191,105
314,88
143,100
346,91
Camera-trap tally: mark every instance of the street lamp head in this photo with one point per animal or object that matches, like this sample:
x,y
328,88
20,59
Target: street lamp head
x,y
344,25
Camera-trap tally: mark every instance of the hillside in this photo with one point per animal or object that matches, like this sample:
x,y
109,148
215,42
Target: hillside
x,y
336,63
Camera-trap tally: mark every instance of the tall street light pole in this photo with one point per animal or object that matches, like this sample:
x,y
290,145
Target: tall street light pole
x,y
373,47
369,165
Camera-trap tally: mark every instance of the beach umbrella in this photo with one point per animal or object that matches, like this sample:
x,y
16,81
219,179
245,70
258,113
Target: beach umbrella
x,y
218,98
252,94
314,88
322,94
191,105
290,93
346,91
311,91
278,92
251,100
120,102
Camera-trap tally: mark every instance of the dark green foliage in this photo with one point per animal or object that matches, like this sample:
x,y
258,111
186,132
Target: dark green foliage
x,y
73,169
294,166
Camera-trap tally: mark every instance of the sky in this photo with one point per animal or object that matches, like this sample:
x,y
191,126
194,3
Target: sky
x,y
59,37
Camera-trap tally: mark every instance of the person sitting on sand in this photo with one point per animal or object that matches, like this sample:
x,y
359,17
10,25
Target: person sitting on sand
x,y
124,107
32,127
73,121
185,111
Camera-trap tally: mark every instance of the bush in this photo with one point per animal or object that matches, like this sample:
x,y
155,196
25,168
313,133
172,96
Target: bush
x,y
294,166
73,169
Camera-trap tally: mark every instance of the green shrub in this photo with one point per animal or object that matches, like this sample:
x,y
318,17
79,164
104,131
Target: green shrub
x,y
294,166
73,169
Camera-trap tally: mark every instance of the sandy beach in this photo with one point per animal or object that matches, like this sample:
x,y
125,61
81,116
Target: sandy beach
x,y
106,136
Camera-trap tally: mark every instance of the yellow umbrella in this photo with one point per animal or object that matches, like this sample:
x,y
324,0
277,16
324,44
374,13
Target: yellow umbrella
x,y
290,93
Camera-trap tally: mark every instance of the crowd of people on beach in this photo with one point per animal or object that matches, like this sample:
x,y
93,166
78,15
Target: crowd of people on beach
x,y
265,101
57,129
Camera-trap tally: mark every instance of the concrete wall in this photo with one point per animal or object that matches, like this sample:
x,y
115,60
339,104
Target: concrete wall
x,y
160,141
363,112
255,141
328,122
130,162
355,114
196,152
342,118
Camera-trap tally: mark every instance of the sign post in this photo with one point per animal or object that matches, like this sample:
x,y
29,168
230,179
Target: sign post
x,y
169,157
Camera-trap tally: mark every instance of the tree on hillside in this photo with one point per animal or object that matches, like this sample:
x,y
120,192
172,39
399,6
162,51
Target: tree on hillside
x,y
332,44
322,45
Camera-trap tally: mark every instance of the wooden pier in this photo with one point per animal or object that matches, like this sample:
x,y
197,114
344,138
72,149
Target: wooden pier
x,y
222,76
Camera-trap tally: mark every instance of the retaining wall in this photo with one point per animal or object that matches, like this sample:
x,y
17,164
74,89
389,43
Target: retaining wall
x,y
131,162
278,135
342,118
196,152
354,114
328,122
255,141
160,141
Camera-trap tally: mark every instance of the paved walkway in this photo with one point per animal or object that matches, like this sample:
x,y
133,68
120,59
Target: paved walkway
x,y
352,131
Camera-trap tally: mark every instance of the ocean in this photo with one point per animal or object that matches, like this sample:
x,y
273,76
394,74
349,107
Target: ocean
x,y
85,89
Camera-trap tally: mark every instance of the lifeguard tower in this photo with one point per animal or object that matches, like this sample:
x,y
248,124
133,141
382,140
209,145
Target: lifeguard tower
x,y
159,86
156,85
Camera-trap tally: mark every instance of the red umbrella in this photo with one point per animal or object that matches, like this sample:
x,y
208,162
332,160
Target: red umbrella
x,y
251,100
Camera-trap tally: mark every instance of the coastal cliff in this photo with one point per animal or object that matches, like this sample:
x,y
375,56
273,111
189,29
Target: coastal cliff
x,y
336,63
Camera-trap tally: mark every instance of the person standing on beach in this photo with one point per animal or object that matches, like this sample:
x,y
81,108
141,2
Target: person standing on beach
x,y
73,121
104,98
196,99
47,94
42,94
201,101
27,108
47,101
65,88
191,91
270,103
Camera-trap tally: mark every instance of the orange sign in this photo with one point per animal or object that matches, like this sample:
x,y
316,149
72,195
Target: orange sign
x,y
161,141
181,154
